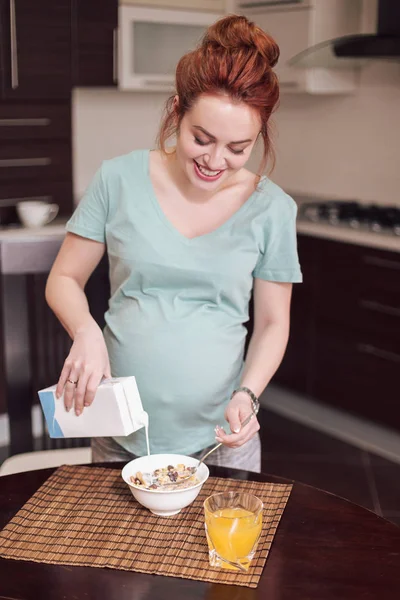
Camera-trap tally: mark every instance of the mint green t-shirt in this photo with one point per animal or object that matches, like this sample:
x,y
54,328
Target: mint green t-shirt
x,y
178,306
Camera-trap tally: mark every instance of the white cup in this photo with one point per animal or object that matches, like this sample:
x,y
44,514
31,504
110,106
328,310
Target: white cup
x,y
34,213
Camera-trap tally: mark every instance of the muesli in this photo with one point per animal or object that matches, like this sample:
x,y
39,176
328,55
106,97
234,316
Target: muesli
x,y
166,478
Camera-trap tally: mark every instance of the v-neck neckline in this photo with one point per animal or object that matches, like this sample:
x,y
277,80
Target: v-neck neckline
x,y
189,241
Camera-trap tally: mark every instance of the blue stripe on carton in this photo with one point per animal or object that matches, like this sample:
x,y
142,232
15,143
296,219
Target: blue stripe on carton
x,y
47,400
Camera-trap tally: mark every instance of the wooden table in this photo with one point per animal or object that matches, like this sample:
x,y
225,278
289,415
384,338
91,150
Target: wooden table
x,y
325,548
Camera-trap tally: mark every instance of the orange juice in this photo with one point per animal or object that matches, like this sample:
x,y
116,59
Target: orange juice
x,y
232,534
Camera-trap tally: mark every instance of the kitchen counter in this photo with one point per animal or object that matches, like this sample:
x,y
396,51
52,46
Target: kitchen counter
x,y
34,250
24,251
54,230
343,233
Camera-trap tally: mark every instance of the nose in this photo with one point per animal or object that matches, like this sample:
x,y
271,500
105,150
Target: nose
x,y
215,159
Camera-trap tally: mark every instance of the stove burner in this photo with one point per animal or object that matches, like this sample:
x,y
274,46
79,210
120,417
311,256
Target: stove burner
x,y
373,217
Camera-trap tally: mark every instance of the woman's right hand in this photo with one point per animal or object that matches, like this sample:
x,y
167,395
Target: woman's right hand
x,y
84,368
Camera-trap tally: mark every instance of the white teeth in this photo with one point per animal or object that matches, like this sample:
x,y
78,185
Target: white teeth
x,y
207,171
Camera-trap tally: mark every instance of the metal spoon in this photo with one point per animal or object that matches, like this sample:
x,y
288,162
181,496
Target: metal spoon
x,y
195,468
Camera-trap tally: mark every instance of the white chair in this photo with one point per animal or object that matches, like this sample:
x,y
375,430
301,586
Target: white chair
x,y
45,459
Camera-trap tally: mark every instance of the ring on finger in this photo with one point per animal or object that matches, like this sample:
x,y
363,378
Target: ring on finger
x,y
74,382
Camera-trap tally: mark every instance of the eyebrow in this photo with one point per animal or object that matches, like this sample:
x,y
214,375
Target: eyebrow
x,y
213,137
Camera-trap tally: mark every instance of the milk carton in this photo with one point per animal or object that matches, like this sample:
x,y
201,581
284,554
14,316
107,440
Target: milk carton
x,y
115,411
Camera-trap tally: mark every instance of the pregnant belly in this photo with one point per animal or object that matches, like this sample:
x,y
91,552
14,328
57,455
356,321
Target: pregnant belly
x,y
178,365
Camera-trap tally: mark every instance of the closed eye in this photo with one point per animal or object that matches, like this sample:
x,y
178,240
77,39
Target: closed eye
x,y
236,151
201,142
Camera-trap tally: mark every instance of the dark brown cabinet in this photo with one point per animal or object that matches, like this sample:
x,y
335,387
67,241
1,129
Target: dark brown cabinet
x,y
35,155
35,40
344,347
34,344
295,369
94,41
46,48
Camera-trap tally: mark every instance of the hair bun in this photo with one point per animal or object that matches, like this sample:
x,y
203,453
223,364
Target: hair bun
x,y
236,32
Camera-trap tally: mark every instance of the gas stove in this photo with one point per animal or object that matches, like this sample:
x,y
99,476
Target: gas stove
x,y
366,217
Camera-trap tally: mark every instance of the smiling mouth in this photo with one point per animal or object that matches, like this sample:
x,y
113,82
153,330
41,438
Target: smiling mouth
x,y
207,172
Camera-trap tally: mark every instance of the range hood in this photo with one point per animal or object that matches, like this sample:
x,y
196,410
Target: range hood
x,y
357,50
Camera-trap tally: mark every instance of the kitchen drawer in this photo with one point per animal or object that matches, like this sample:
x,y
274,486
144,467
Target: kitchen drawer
x,y
35,160
42,189
357,374
295,369
358,288
345,267
371,310
34,121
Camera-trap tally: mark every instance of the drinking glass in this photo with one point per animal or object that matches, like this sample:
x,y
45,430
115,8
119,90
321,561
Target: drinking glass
x,y
233,522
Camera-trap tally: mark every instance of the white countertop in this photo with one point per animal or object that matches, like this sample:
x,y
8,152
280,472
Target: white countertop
x,y
56,231
349,235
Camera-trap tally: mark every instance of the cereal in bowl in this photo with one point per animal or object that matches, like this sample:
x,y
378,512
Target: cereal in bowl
x,y
167,478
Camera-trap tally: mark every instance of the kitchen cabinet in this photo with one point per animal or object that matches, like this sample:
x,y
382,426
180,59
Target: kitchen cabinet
x,y
345,332
207,5
35,40
295,370
94,42
35,155
151,43
299,25
34,345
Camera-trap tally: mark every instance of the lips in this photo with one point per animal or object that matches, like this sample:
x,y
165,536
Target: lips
x,y
206,174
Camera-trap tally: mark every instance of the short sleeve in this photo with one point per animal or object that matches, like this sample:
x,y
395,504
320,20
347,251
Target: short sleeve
x,y
278,261
90,216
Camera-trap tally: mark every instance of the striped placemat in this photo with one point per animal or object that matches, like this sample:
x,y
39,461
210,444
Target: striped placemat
x,y
88,517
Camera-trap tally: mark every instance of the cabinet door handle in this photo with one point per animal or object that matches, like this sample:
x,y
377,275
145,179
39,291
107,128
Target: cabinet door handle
x,y
373,351
381,308
24,122
289,84
12,201
115,55
13,44
25,162
273,3
159,84
376,261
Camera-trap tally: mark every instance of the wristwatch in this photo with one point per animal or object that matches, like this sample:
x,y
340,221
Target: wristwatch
x,y
254,400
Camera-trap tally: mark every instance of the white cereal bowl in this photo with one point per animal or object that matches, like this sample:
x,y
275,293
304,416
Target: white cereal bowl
x,y
169,502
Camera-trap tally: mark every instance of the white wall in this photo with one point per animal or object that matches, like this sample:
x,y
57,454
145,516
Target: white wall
x,y
344,147
106,123
333,146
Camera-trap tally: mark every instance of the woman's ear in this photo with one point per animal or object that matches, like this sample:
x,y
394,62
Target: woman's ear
x,y
175,104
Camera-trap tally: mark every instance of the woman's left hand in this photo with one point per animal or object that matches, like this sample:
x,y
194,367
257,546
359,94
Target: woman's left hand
x,y
238,409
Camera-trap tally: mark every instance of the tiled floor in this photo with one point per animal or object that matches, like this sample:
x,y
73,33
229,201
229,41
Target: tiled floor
x,y
298,452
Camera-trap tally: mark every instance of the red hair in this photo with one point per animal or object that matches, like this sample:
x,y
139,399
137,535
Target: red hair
x,y
235,57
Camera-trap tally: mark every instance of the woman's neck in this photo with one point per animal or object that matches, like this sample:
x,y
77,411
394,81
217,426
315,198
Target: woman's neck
x,y
190,192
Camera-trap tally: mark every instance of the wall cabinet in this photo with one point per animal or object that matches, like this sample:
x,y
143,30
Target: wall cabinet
x,y
207,5
345,333
297,26
94,43
46,48
152,41
35,41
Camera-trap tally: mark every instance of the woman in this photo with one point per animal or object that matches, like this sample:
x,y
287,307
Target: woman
x,y
190,233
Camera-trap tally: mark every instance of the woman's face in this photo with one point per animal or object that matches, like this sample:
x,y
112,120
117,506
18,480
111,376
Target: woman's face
x,y
215,140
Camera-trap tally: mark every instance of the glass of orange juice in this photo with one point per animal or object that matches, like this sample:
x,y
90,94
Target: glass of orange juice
x,y
233,522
